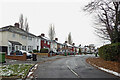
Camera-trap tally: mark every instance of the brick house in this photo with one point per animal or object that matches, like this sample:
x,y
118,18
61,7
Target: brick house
x,y
45,42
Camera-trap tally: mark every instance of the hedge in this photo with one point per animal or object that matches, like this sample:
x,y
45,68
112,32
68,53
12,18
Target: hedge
x,y
110,52
35,51
44,50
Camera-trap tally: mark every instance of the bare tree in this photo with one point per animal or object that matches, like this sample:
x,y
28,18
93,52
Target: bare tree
x,y
69,38
107,18
26,25
51,32
21,21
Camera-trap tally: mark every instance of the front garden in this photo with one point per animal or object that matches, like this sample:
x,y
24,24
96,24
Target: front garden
x,y
14,70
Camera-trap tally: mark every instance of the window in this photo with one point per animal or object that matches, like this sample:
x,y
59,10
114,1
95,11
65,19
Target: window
x,y
48,43
23,37
24,48
44,41
30,48
13,35
29,38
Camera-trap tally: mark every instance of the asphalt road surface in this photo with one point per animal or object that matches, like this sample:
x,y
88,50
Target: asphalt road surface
x,y
70,67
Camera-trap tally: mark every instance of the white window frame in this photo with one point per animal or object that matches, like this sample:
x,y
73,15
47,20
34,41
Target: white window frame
x,y
24,37
44,41
13,35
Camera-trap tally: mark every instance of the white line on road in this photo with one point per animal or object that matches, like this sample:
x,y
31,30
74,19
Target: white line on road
x,y
72,69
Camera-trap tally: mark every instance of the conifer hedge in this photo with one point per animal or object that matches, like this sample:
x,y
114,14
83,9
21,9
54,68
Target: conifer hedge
x,y
110,52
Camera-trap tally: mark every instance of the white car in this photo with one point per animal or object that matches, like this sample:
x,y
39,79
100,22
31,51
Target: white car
x,y
20,52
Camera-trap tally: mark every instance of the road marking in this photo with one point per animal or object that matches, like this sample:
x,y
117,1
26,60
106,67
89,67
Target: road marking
x,y
73,71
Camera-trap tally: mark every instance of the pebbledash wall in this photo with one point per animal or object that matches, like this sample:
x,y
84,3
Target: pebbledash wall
x,y
14,38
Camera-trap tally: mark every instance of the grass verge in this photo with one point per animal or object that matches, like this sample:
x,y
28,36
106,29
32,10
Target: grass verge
x,y
14,70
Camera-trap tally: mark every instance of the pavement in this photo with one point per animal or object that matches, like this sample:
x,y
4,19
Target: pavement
x,y
70,67
30,61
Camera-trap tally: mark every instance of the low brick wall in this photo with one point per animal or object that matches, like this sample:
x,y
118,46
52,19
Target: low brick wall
x,y
45,54
17,57
42,54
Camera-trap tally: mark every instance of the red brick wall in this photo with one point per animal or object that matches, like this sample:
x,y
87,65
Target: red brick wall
x,y
16,57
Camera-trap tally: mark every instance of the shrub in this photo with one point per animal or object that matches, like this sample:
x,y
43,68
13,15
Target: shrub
x,y
30,51
35,51
44,50
110,52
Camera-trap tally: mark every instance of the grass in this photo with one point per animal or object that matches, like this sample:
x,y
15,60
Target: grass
x,y
15,70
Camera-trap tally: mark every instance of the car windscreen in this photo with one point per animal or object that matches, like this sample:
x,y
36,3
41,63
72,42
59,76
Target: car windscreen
x,y
19,53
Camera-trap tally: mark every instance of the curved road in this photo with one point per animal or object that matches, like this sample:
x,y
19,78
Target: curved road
x,y
70,67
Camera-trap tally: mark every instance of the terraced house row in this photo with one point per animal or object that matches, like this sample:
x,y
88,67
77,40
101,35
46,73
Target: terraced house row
x,y
14,38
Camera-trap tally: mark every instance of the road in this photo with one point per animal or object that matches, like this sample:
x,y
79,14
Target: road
x,y
70,67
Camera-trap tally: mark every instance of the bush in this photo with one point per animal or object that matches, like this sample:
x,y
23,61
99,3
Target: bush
x,y
110,52
30,51
44,50
35,51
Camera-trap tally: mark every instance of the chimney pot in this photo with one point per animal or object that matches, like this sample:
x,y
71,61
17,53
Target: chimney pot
x,y
65,41
73,44
56,39
43,35
16,25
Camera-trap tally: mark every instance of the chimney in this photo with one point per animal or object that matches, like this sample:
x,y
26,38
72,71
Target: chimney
x,y
43,35
56,39
65,41
16,25
73,44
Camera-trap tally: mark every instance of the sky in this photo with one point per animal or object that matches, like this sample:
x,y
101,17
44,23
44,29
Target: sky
x,y
66,15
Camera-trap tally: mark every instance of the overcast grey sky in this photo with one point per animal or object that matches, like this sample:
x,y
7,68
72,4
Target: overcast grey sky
x,y
66,15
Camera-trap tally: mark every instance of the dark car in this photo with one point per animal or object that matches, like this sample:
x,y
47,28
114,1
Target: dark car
x,y
20,52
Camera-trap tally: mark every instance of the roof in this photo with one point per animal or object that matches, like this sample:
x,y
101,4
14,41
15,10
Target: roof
x,y
15,42
44,38
17,30
69,45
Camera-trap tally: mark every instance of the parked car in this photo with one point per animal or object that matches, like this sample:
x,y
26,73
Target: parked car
x,y
29,55
20,52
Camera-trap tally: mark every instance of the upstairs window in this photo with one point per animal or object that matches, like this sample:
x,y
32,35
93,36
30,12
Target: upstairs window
x,y
24,37
13,35
29,38
44,41
48,43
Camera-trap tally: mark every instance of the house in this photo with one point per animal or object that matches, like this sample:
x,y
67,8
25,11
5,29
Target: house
x,y
65,47
54,45
59,46
45,42
14,38
33,43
